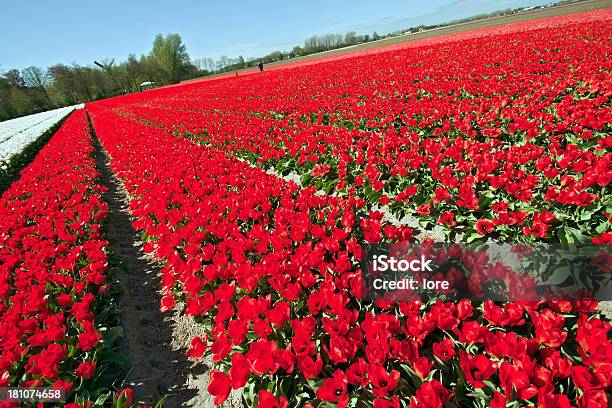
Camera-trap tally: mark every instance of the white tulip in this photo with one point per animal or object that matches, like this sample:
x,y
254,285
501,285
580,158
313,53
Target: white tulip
x,y
16,134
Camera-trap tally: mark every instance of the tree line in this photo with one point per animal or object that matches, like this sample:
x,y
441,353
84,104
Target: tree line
x,y
35,89
327,42
314,44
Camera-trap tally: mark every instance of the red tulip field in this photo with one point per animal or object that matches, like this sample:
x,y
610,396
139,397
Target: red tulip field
x,y
255,194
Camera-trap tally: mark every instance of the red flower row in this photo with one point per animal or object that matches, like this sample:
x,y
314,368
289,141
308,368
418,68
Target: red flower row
x,y
52,265
271,271
514,125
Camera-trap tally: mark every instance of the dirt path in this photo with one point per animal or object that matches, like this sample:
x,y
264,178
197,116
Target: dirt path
x,y
155,344
157,368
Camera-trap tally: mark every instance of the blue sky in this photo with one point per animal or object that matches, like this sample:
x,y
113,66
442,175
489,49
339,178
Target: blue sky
x,y
41,32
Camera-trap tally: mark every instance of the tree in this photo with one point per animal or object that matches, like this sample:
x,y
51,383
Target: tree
x,y
223,62
87,90
14,78
375,36
312,44
200,63
115,74
171,55
273,56
151,69
36,78
64,85
297,51
6,108
134,71
350,38
158,45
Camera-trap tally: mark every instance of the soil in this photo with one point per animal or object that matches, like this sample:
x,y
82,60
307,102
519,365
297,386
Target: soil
x,y
153,342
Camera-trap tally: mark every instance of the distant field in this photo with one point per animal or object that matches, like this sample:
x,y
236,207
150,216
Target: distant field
x,y
254,193
452,29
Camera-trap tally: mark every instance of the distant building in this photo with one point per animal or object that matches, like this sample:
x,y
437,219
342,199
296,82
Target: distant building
x,y
147,85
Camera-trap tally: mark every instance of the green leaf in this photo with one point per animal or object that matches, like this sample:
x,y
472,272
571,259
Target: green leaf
x,y
110,356
111,335
161,402
601,228
565,236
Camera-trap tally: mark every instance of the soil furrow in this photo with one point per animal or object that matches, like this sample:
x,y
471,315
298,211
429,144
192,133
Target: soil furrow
x,y
158,368
155,344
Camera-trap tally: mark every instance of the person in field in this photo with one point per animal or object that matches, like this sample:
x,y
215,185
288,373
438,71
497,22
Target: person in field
x,y
260,65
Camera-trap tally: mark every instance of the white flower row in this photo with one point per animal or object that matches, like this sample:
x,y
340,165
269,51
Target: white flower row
x,y
16,134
